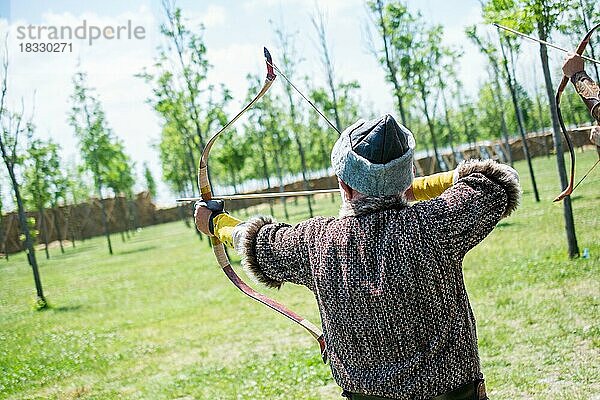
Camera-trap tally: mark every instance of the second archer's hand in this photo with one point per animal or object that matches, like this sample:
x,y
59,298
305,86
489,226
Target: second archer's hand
x,y
573,64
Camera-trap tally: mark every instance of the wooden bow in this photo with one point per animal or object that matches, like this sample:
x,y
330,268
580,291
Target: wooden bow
x,y
563,84
219,248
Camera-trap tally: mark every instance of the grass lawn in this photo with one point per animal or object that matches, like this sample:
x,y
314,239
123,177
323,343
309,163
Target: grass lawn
x,y
158,320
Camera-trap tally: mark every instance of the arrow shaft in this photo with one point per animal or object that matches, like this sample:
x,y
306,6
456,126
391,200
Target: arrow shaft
x,y
273,195
534,39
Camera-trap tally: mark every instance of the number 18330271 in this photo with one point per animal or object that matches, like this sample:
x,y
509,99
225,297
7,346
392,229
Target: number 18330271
x,y
42,47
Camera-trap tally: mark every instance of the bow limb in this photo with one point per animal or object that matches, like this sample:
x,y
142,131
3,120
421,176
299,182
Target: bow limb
x,y
219,248
563,84
569,189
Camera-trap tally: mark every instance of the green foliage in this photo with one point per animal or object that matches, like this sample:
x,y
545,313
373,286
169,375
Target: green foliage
x,y
31,223
102,153
150,182
120,177
44,180
78,188
267,138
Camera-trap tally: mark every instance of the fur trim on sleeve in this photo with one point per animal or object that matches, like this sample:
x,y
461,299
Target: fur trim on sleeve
x,y
501,174
247,248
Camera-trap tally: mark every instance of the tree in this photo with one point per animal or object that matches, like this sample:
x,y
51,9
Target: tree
x,y
150,182
336,100
41,168
271,137
512,84
2,232
427,54
60,186
120,178
318,21
542,16
96,140
449,75
179,90
12,127
289,61
581,17
489,50
178,146
77,190
394,25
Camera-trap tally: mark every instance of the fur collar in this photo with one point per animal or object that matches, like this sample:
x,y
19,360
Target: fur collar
x,y
371,204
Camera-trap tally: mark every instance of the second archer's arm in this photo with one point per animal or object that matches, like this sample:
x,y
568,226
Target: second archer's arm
x,y
589,92
585,86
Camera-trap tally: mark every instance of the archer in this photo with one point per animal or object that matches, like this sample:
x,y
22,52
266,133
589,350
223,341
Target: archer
x,y
387,276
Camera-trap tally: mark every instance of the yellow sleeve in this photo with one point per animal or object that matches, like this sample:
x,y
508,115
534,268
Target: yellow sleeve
x,y
428,187
223,225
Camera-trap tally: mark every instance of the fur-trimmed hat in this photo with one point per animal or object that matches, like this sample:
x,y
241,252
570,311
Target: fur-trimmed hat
x,y
375,157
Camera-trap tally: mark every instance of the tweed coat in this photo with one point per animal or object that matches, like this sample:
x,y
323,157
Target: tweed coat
x,y
387,278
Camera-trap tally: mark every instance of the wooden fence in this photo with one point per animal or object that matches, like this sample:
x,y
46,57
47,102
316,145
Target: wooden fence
x,y
83,221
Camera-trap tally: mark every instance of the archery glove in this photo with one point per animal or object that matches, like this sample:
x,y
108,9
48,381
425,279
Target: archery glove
x,y
216,206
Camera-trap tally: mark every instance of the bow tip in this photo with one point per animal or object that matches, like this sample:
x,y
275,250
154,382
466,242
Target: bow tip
x,y
560,197
267,54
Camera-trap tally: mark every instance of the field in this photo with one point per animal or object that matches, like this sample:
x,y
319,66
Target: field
x,y
158,320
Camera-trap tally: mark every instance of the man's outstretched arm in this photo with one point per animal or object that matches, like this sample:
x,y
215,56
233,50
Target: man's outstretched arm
x,y
585,86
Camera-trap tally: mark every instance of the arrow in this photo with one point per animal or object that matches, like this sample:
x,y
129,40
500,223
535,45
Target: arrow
x,y
273,195
534,39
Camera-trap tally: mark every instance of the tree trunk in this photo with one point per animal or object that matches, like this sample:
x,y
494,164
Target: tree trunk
x,y
500,105
30,251
124,221
266,173
133,211
560,161
541,120
320,27
281,185
390,66
3,236
44,231
513,94
586,24
431,126
447,118
300,148
58,230
104,220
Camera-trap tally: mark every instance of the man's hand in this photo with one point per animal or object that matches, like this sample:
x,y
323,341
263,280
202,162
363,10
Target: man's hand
x,y
573,64
595,135
202,217
204,212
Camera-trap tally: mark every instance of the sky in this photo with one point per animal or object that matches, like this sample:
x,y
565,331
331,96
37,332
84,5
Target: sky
x,y
235,32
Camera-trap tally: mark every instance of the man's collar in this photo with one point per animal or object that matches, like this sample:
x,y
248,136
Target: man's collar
x,y
371,204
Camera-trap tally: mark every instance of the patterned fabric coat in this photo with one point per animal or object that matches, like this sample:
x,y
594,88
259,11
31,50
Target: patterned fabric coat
x,y
388,281
589,92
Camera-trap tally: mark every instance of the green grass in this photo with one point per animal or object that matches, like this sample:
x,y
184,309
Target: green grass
x,y
158,320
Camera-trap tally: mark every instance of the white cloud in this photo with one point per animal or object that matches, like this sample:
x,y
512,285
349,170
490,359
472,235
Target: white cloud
x,y
213,16
331,6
